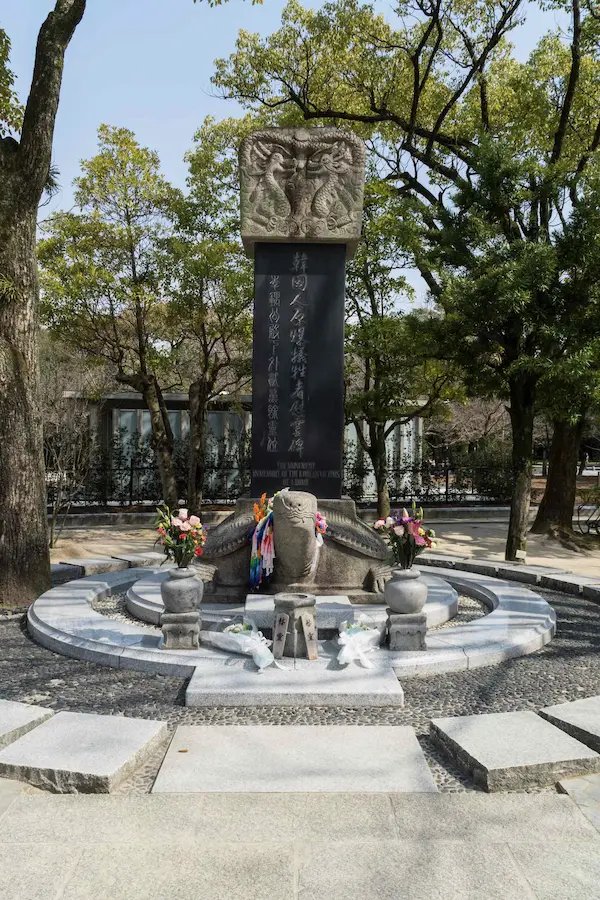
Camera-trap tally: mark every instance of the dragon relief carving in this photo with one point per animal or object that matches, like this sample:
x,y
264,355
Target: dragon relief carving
x,y
302,184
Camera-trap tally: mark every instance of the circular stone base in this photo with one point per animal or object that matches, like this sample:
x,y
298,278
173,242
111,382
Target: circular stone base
x,y
63,620
144,602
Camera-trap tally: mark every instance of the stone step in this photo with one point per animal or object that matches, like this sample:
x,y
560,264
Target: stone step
x,y
236,682
294,758
512,750
579,718
82,753
16,719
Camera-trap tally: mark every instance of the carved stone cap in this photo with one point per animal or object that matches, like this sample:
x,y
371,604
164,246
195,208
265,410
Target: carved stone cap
x,y
302,185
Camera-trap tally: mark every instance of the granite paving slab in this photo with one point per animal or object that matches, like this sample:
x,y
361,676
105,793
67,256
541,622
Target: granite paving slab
x,y
489,818
16,719
169,818
61,572
81,752
579,718
295,758
585,792
410,870
36,872
567,871
135,560
310,683
242,871
512,750
98,565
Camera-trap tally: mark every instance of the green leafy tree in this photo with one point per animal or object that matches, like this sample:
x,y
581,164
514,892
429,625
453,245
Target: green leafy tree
x,y
570,394
488,157
391,375
102,276
11,111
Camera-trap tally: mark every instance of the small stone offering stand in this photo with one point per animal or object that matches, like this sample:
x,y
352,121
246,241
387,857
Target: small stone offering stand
x,y
295,626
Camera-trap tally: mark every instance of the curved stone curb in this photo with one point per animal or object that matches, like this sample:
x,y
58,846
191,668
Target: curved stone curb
x,y
144,602
520,623
549,577
63,620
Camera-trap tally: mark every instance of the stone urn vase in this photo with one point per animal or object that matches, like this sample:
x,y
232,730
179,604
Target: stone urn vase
x,y
405,592
182,591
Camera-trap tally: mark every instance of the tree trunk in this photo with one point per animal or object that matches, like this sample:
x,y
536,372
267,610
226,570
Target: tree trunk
x,y
522,397
197,445
558,501
24,555
162,441
24,167
378,455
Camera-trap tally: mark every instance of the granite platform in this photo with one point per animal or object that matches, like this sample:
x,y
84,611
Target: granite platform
x,y
297,758
307,683
82,753
579,718
16,719
64,620
515,750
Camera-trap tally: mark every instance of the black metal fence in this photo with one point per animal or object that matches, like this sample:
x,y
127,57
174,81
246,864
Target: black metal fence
x,y
133,483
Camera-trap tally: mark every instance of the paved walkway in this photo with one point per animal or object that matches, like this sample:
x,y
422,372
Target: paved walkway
x,y
485,539
286,847
488,539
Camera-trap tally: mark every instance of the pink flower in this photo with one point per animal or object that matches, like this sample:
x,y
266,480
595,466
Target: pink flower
x,y
183,514
399,530
175,522
389,521
194,521
379,523
186,526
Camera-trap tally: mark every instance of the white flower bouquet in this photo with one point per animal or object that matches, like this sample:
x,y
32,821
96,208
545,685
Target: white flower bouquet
x,y
242,637
357,638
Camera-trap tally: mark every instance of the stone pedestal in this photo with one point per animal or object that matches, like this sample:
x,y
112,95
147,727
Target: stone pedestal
x,y
406,631
181,631
295,626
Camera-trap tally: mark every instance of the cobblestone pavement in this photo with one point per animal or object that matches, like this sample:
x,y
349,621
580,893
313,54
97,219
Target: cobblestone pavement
x,y
567,669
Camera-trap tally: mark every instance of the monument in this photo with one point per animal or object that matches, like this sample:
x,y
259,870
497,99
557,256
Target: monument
x,y
301,206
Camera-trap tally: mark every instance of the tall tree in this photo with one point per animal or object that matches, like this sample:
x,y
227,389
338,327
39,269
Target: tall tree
x,y
391,377
24,168
570,393
211,284
457,122
103,280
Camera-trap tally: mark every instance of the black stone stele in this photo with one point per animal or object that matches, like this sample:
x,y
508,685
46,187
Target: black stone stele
x,y
298,368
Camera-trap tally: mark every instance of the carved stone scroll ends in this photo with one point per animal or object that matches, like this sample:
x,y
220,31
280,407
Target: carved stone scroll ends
x,y
302,184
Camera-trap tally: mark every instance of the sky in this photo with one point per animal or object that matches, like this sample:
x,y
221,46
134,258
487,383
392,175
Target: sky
x,y
146,65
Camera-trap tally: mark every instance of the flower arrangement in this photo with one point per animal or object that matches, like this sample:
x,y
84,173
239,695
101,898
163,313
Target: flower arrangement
x,y
406,535
238,628
181,535
262,508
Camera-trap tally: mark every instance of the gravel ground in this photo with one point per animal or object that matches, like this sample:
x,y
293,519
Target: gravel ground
x,y
567,669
